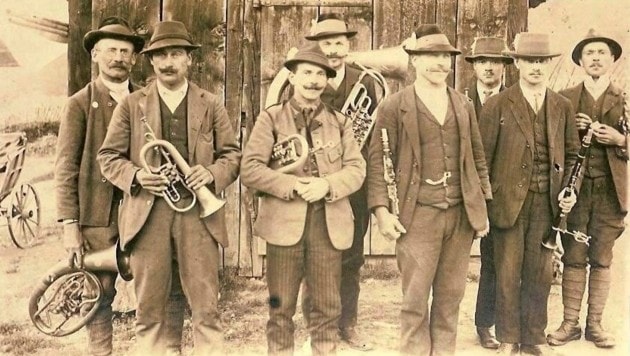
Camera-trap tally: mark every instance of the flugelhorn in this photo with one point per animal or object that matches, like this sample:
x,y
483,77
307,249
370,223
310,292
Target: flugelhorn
x,y
175,169
68,297
289,153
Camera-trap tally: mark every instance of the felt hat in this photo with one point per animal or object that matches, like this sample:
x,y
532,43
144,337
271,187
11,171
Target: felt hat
x,y
170,34
531,45
593,36
430,39
116,28
488,47
312,54
328,25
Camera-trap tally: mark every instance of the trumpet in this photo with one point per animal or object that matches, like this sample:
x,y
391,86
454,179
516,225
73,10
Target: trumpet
x,y
175,169
68,297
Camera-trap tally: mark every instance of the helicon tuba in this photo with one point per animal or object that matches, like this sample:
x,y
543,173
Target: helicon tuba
x,y
175,168
68,297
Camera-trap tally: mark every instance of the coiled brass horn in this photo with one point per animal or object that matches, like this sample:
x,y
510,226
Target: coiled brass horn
x,y
289,154
175,169
68,297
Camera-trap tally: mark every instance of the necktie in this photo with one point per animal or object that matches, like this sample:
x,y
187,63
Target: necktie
x,y
536,102
307,112
486,95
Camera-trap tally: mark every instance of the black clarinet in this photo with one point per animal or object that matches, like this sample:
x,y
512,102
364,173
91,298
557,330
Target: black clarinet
x,y
553,239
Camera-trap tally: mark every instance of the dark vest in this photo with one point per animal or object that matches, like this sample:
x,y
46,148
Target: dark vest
x,y
539,181
440,156
597,161
174,126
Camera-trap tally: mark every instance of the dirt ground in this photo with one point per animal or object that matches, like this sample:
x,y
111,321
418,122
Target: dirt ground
x,y
244,311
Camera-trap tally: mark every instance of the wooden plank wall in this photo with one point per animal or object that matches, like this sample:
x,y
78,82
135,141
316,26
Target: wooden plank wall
x,y
245,43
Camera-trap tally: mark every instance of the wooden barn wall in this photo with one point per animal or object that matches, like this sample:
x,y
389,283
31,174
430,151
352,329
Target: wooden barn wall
x,y
245,42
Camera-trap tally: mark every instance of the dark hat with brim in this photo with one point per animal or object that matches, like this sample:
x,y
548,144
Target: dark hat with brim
x,y
592,36
311,54
329,28
170,34
531,45
115,28
488,47
430,39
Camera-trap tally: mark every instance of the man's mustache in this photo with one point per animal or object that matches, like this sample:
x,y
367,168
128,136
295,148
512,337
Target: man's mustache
x,y
596,64
313,87
440,70
168,70
335,55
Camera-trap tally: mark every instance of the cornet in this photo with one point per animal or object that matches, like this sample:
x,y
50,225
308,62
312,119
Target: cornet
x,y
290,153
175,169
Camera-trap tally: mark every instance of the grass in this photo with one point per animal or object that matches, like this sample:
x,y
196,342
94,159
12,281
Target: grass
x,y
15,341
380,269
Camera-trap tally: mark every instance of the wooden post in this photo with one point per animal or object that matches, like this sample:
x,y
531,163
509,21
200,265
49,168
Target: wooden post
x,y
141,16
80,22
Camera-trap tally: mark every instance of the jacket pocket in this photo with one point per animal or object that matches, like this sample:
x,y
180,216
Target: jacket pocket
x,y
335,153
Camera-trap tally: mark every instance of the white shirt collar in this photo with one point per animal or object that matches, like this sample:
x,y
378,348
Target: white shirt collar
x,y
117,91
341,73
597,88
530,96
172,98
481,89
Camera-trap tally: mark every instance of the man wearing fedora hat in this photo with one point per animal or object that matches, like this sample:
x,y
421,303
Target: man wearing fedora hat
x,y
305,214
603,202
488,63
87,203
531,143
159,238
331,32
442,185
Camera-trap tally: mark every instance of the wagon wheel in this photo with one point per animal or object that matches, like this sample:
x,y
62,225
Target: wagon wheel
x,y
23,216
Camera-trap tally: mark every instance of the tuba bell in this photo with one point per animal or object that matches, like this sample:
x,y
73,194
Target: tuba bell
x,y
175,168
68,297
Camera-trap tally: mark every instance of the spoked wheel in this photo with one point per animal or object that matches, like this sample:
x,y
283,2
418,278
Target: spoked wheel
x,y
23,218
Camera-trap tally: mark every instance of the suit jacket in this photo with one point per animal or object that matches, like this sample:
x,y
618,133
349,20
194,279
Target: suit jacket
x,y
337,97
473,95
80,187
508,139
399,115
211,143
617,156
282,213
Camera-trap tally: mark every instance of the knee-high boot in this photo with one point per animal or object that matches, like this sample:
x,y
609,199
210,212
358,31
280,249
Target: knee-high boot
x,y
598,290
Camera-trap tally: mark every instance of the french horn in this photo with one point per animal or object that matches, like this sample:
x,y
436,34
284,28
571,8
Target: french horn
x,y
68,297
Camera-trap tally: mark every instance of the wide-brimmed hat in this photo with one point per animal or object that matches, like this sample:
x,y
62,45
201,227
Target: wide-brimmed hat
x,y
312,54
531,45
328,25
430,39
488,47
170,34
116,28
593,36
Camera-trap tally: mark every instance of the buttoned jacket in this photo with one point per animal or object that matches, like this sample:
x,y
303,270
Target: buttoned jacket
x,y
399,114
82,191
282,212
508,138
612,111
211,143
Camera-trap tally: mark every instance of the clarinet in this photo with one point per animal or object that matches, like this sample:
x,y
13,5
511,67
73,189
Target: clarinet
x,y
389,175
624,125
552,240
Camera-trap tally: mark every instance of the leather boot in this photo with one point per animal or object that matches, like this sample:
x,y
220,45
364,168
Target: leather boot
x,y
598,289
568,331
354,340
487,338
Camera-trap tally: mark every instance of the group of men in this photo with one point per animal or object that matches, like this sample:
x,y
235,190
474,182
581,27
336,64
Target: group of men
x,y
492,165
